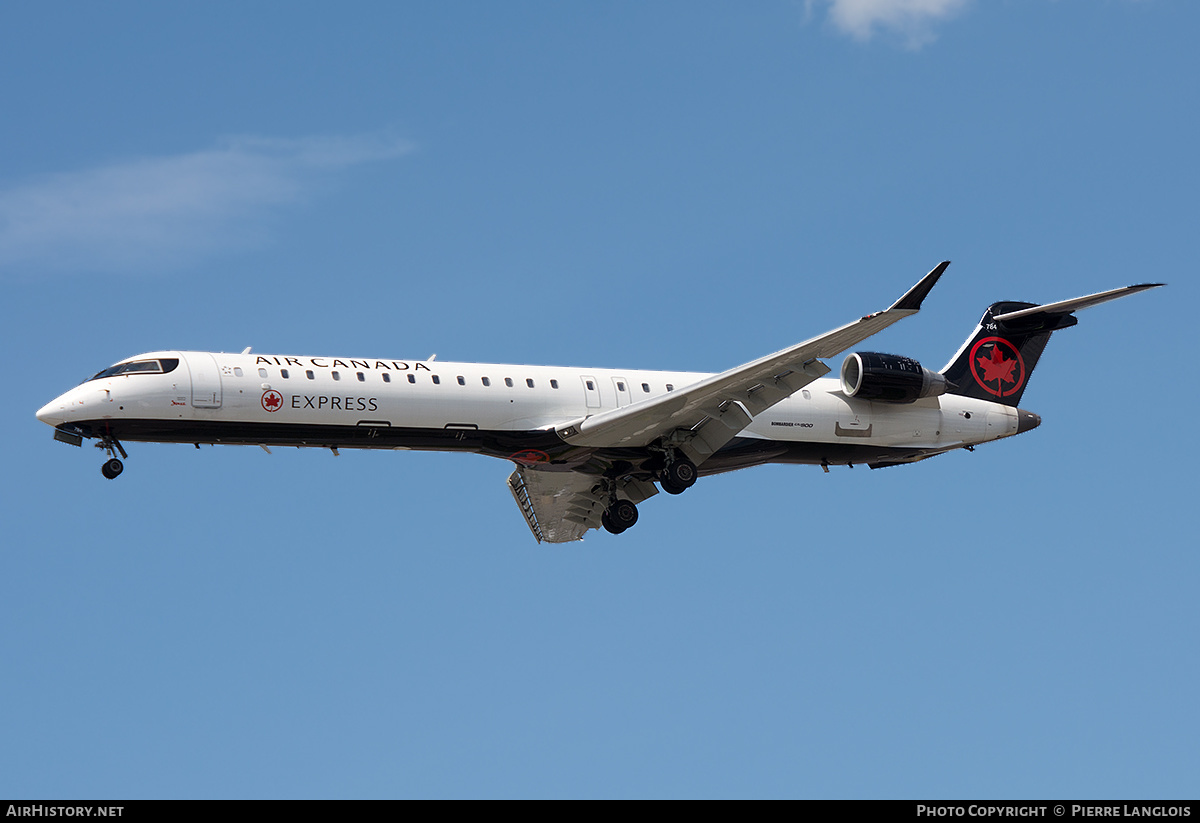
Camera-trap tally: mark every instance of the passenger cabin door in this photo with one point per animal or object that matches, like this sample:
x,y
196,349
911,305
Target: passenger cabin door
x,y
206,381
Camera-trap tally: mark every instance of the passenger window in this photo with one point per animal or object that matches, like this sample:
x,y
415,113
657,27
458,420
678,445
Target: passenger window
x,y
387,378
487,381
529,382
262,372
508,382
670,387
412,378
436,380
283,373
237,370
646,388
310,374
554,384
362,378
462,381
620,386
337,376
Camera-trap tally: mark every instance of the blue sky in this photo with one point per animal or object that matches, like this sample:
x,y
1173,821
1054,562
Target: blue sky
x,y
662,185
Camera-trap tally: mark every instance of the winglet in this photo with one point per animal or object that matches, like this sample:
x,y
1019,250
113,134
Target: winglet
x,y
911,301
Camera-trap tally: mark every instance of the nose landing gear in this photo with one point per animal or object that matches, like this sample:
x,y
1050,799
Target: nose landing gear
x,y
112,467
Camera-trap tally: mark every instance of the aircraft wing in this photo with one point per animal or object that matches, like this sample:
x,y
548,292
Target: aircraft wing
x,y
561,506
709,413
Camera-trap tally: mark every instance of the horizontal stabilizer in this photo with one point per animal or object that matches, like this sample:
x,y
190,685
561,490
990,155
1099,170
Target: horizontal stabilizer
x,y
1075,304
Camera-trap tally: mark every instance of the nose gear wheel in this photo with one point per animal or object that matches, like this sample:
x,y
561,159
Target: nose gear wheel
x,y
112,467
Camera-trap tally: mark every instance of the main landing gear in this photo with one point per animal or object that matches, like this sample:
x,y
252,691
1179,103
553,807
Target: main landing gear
x,y
621,513
112,467
618,517
674,472
678,476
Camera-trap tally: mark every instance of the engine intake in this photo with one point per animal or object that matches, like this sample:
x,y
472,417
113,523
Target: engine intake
x,y
888,378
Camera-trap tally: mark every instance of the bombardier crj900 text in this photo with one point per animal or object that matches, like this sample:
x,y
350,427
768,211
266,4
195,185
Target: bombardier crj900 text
x,y
591,444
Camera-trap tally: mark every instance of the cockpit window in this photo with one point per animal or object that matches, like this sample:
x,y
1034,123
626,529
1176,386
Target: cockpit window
x,y
166,364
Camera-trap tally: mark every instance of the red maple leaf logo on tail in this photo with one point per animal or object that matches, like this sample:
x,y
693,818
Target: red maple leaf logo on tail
x,y
992,370
996,367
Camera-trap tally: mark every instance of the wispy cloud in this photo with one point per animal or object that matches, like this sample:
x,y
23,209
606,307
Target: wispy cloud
x,y
913,20
161,212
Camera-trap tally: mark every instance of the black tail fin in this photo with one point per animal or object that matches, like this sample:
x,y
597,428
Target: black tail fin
x,y
997,359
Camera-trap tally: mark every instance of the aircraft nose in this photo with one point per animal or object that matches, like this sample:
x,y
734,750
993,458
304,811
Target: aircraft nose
x,y
55,413
51,413
1027,420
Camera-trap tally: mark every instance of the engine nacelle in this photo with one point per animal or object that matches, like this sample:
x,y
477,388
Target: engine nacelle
x,y
888,378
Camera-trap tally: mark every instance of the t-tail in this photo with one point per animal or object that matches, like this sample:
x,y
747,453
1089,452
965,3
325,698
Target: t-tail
x,y
997,359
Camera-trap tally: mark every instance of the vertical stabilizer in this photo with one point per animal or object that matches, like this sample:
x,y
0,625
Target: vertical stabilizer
x,y
997,359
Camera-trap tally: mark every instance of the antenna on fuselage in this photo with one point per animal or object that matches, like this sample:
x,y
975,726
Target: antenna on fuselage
x,y
247,350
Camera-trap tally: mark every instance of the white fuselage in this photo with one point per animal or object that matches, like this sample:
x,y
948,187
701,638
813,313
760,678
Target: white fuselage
x,y
276,399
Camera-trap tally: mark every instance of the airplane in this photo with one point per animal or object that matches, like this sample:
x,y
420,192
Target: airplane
x,y
589,445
